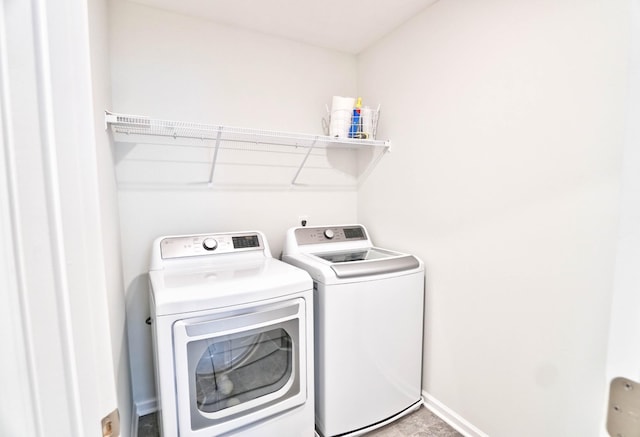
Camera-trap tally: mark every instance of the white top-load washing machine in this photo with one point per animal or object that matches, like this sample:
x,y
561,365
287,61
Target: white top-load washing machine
x,y
232,336
368,327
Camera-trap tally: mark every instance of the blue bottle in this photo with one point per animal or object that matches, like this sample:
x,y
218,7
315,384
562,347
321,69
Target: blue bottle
x,y
356,127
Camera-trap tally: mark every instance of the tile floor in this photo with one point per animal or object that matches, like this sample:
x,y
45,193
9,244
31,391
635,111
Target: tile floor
x,y
421,423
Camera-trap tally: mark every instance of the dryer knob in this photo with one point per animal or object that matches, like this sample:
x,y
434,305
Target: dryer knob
x,y
209,243
329,234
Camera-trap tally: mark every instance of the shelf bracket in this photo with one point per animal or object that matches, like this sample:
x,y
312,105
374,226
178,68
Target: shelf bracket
x,y
215,156
304,160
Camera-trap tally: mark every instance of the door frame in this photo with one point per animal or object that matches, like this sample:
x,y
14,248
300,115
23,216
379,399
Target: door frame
x,y
51,257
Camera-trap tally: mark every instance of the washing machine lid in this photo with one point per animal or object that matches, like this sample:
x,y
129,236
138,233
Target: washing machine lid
x,y
367,262
338,252
205,287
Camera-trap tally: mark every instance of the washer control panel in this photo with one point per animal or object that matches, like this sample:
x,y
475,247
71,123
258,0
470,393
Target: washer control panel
x,y
330,234
213,244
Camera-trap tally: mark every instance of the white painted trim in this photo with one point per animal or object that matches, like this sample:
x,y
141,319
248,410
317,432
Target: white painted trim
x,y
10,246
27,273
148,406
12,270
451,417
54,325
135,419
142,409
50,167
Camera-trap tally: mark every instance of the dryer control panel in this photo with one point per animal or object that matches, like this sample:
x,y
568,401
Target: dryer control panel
x,y
209,244
330,234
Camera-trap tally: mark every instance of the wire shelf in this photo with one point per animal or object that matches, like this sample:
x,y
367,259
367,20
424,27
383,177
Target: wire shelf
x,y
174,153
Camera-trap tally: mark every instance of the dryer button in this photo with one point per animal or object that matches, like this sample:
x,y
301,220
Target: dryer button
x,y
209,243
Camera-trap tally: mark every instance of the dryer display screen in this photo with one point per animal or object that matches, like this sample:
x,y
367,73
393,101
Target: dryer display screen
x,y
353,233
245,241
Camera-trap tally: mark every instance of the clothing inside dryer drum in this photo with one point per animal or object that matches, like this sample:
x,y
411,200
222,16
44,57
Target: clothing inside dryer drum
x,y
237,370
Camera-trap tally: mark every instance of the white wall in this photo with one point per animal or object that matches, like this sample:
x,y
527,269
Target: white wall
x,y
98,15
624,356
507,124
183,68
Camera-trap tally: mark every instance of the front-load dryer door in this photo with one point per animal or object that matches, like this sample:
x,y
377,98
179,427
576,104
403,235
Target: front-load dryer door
x,y
237,367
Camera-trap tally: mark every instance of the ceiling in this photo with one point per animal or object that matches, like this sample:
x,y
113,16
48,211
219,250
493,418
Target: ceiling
x,y
345,25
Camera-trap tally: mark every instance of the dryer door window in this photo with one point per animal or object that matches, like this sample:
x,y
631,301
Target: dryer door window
x,y
239,366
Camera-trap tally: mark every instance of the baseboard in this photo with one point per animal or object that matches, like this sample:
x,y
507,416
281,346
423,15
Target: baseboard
x,y
141,409
146,407
451,417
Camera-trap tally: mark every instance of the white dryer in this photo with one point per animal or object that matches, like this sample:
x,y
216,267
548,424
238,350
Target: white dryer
x,y
368,327
232,336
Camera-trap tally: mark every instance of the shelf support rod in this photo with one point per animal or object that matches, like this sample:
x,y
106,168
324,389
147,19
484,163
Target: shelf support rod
x,y
293,181
215,155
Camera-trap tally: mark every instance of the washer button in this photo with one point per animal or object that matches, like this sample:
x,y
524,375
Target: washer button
x,y
329,234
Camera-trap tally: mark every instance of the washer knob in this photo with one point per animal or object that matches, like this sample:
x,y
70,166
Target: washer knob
x,y
209,243
329,234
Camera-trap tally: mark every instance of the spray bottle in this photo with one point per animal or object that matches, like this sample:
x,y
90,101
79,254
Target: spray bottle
x,y
355,120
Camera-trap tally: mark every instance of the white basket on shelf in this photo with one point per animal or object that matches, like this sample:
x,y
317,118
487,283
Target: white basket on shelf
x,y
343,123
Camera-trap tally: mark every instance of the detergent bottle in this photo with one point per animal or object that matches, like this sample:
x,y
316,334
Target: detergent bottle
x,y
355,128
